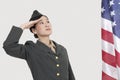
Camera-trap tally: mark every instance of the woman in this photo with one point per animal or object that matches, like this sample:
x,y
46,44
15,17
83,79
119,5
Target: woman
x,y
47,59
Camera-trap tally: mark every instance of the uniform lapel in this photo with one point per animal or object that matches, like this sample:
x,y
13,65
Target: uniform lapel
x,y
58,48
43,46
47,49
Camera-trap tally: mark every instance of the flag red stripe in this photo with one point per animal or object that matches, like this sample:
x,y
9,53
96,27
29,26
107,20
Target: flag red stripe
x,y
117,57
107,77
107,36
108,58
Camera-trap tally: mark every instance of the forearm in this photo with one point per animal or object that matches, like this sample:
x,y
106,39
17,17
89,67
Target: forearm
x,y
13,36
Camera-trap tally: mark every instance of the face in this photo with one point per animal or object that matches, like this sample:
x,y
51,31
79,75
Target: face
x,y
43,27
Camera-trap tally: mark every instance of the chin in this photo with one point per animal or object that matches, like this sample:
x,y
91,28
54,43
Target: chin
x,y
48,34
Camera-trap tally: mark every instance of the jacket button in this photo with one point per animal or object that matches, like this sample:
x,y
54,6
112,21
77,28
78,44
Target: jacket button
x,y
57,65
58,74
56,57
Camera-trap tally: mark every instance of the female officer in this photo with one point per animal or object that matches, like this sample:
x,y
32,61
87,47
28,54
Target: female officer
x,y
47,59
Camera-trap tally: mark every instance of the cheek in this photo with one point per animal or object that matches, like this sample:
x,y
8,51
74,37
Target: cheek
x,y
38,28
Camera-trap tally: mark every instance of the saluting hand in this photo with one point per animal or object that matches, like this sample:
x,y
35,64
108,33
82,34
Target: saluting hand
x,y
29,24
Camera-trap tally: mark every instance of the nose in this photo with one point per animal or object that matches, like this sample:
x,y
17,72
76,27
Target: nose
x,y
46,24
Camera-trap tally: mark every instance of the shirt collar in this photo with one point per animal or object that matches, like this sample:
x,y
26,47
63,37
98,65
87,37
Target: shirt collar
x,y
53,44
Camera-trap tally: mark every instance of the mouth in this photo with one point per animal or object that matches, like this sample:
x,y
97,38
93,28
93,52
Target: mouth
x,y
48,29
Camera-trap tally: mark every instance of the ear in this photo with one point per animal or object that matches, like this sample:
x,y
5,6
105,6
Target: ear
x,y
34,30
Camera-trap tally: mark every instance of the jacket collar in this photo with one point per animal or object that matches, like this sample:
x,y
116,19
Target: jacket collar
x,y
47,49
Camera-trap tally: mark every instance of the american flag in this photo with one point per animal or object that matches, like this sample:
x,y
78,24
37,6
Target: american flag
x,y
110,32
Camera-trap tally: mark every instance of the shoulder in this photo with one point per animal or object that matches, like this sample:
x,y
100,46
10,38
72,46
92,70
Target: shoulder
x,y
63,48
29,43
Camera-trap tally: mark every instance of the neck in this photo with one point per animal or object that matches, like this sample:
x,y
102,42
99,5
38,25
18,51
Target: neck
x,y
45,40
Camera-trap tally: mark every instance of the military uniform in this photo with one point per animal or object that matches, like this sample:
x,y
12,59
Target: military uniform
x,y
44,63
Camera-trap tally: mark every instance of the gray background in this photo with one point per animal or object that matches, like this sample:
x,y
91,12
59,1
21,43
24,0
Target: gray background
x,y
76,25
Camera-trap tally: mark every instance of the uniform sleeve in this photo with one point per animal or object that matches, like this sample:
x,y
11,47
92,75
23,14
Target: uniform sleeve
x,y
11,45
71,75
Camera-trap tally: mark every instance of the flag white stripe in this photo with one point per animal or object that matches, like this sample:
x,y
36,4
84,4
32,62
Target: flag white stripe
x,y
108,47
109,70
106,25
118,71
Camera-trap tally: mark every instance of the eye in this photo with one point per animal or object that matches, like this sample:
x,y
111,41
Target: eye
x,y
41,23
48,21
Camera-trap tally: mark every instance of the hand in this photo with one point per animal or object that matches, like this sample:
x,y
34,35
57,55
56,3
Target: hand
x,y
29,24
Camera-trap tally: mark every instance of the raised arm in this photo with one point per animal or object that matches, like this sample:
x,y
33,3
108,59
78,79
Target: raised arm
x,y
11,44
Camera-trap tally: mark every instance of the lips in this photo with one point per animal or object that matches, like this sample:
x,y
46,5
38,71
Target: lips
x,y
48,29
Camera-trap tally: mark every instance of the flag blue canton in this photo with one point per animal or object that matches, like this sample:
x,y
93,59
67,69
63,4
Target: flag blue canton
x,y
111,11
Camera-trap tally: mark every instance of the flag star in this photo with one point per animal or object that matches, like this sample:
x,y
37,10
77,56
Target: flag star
x,y
112,13
114,23
111,3
102,9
